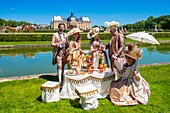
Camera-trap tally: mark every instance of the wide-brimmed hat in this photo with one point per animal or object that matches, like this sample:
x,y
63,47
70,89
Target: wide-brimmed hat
x,y
93,32
111,25
73,31
133,52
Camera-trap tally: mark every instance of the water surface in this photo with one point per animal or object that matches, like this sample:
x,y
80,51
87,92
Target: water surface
x,y
29,61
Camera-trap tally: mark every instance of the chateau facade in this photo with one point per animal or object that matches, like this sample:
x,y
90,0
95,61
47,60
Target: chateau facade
x,y
83,22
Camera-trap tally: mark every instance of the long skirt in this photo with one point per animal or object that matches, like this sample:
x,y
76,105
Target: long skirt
x,y
129,92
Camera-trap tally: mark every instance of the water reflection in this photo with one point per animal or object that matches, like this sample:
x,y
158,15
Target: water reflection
x,y
30,52
36,60
26,52
29,55
163,48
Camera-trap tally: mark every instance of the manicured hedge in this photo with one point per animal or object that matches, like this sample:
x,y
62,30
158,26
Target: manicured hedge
x,y
44,31
161,35
47,37
38,37
24,37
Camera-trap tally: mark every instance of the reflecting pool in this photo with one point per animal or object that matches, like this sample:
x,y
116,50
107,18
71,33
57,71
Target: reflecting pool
x,y
29,61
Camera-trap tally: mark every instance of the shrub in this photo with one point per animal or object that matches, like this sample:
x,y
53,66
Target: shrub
x,y
47,37
161,35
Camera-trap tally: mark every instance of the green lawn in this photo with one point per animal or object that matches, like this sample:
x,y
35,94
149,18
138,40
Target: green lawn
x,y
49,42
22,43
24,96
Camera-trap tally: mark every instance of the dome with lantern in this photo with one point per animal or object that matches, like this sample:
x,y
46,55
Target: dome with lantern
x,y
72,17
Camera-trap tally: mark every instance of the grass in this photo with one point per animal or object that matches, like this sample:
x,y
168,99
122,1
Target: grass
x,y
49,42
24,96
23,43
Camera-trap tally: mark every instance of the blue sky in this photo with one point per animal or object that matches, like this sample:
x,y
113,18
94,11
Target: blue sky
x,y
99,11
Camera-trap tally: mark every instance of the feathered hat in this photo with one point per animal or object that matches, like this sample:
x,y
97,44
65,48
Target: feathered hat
x,y
93,32
111,25
133,52
73,31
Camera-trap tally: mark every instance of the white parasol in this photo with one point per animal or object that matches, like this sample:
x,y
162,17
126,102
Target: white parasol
x,y
143,37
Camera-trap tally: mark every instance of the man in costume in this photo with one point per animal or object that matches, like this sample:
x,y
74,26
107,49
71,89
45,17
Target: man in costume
x,y
60,44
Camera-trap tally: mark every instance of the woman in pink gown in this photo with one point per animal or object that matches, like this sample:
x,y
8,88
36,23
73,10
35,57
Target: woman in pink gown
x,y
132,88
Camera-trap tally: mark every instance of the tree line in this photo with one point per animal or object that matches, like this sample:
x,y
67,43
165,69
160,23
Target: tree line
x,y
151,24
13,23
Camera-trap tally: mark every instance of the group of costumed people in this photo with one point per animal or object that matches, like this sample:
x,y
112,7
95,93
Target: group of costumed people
x,y
129,87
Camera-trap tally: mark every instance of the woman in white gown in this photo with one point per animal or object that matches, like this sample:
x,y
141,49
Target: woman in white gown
x,y
97,49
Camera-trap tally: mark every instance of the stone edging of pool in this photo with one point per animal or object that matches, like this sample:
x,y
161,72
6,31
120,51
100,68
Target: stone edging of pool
x,y
54,74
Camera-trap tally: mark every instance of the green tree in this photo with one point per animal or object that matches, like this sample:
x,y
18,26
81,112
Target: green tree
x,y
162,22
